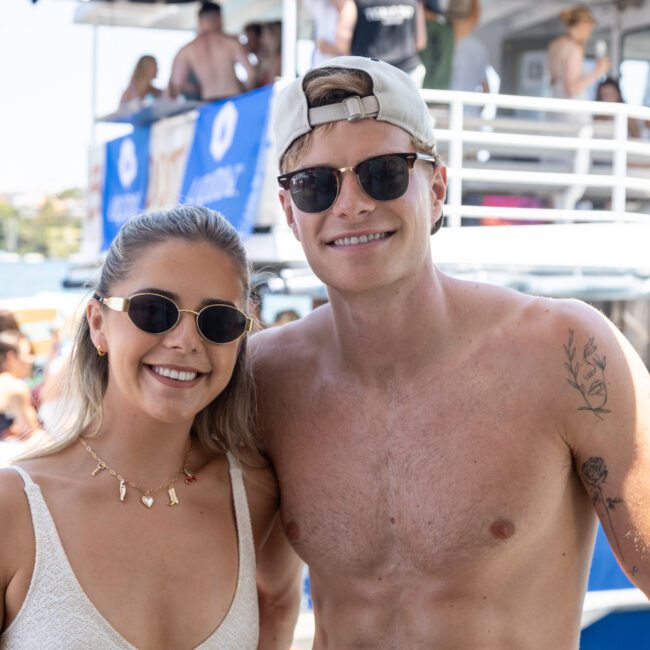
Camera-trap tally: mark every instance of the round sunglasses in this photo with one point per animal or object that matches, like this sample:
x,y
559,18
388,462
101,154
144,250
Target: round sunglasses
x,y
386,177
156,314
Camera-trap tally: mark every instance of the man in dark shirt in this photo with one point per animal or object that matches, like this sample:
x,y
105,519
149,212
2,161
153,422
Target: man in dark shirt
x,y
385,30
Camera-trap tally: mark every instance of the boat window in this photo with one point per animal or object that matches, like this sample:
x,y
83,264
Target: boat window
x,y
635,67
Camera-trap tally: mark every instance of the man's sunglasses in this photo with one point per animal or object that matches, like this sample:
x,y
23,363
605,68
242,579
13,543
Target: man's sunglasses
x,y
315,189
156,314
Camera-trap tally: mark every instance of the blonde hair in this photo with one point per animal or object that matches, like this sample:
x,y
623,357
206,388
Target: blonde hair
x,y
579,14
226,424
325,86
140,78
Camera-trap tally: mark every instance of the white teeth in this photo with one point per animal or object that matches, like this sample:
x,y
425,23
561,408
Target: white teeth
x,y
361,239
175,374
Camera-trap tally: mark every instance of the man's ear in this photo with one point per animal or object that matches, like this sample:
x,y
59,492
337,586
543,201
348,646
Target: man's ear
x,y
287,206
438,197
96,323
440,182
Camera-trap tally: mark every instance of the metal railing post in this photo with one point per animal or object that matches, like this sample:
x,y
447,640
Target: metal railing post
x,y
455,185
619,166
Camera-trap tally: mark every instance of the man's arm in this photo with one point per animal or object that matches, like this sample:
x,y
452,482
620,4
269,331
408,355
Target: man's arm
x,y
420,27
345,26
606,396
465,26
241,56
20,406
279,574
575,80
180,75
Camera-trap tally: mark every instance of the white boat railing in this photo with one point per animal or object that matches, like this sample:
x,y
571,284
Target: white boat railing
x,y
587,140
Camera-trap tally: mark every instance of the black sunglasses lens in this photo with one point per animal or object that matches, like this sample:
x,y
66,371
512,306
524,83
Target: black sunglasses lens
x,y
385,177
153,314
314,190
221,324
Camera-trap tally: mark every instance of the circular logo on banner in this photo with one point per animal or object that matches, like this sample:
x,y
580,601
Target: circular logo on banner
x,y
127,164
223,131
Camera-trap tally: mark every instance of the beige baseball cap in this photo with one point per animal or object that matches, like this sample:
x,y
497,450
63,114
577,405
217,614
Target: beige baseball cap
x,y
395,99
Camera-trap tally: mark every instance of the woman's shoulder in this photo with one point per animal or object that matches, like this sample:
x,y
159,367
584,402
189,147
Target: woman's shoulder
x,y
17,529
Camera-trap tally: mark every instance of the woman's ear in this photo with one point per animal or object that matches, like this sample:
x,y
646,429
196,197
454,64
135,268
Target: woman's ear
x,y
96,324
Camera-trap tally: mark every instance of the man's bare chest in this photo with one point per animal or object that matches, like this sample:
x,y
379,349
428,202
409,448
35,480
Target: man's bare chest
x,y
430,474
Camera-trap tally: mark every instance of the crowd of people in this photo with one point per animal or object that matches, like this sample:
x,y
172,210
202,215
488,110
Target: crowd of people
x,y
214,65
438,48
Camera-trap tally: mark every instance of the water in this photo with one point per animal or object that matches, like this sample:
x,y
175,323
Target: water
x,y
20,279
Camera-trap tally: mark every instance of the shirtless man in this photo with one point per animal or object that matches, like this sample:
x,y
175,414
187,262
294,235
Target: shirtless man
x,y
210,59
443,447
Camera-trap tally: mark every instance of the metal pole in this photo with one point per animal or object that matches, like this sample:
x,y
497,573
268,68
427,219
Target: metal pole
x,y
289,37
93,91
455,187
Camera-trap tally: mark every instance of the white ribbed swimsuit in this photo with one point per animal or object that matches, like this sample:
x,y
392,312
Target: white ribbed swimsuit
x,y
58,615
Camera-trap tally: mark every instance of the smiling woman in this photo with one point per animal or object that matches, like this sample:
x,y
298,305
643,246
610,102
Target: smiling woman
x,y
162,415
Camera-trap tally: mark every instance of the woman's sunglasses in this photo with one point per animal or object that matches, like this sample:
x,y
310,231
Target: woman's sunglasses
x,y
156,314
315,189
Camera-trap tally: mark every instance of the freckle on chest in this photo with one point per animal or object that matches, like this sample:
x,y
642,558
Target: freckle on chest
x,y
502,529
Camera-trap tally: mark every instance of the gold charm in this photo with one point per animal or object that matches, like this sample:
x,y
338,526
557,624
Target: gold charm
x,y
189,477
98,469
122,490
147,500
173,499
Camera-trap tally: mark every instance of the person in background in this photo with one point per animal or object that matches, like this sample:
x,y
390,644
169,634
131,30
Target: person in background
x,y
388,30
444,33
325,15
141,86
269,66
153,489
470,65
566,56
209,61
252,37
285,316
18,419
609,90
8,321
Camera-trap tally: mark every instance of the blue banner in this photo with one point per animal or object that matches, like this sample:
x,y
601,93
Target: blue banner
x,y
125,181
225,166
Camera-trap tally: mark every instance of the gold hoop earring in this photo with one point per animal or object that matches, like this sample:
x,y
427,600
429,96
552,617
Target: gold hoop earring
x,y
100,352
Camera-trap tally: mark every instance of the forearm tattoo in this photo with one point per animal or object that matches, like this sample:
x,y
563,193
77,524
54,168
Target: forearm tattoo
x,y
594,475
590,380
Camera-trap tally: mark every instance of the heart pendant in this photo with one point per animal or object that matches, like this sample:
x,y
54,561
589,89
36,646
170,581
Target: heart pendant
x,y
147,500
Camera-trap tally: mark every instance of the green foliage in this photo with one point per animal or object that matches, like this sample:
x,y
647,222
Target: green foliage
x,y
50,230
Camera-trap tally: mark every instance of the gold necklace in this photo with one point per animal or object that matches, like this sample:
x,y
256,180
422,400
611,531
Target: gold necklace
x,y
146,498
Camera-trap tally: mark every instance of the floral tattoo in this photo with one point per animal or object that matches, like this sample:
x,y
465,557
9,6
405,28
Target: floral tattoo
x,y
591,382
594,474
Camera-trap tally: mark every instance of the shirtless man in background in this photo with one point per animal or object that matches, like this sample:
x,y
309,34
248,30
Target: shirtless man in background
x,y
443,447
210,60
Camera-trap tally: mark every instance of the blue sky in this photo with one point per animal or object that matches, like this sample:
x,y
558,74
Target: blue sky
x,y
45,89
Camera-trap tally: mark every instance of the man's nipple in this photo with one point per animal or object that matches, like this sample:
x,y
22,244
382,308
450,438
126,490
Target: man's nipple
x,y
502,529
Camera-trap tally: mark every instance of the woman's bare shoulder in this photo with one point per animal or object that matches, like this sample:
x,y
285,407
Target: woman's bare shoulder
x,y
17,529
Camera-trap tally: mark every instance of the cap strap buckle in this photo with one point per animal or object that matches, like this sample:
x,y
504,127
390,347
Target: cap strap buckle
x,y
351,109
